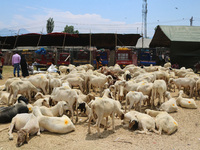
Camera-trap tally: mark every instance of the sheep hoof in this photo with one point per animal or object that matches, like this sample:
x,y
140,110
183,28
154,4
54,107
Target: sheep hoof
x,y
10,137
89,132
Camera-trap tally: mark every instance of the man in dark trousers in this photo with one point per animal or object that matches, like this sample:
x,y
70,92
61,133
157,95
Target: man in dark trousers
x,y
98,60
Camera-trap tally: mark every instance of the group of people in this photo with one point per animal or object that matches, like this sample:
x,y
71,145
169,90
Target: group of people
x,y
19,62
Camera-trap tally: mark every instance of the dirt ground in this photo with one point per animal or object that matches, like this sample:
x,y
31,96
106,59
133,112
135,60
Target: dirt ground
x,y
187,136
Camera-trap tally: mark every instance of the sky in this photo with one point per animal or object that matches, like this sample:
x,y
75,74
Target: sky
x,y
95,16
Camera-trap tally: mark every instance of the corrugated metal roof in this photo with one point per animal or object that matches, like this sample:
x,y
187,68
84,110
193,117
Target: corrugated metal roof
x,y
146,43
182,33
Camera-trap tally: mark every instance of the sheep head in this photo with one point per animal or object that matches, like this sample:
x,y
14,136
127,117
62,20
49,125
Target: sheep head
x,y
22,137
133,124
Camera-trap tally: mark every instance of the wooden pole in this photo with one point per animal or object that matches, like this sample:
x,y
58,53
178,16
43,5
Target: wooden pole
x,y
90,47
40,37
16,39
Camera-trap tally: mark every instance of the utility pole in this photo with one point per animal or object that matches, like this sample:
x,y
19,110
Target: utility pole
x,y
191,21
144,13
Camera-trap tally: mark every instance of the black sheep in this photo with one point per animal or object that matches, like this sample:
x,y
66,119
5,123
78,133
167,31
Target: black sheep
x,y
8,113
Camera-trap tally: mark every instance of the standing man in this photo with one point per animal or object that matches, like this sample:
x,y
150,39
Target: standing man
x,y
16,58
1,65
98,60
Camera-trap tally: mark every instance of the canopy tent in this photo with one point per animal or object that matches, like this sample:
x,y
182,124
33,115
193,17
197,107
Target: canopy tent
x,y
103,40
183,42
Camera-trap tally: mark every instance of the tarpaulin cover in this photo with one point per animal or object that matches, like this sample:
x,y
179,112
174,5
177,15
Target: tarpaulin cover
x,y
41,51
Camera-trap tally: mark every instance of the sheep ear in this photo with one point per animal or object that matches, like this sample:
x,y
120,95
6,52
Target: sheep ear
x,y
27,135
61,110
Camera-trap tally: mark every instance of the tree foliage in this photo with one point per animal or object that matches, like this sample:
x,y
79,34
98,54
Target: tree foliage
x,y
50,25
70,29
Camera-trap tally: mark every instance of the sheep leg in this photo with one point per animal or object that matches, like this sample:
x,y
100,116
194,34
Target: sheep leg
x,y
160,130
38,133
14,97
9,99
11,129
29,95
100,117
113,123
44,90
154,130
106,125
101,89
90,118
72,113
126,104
191,91
131,105
140,105
145,131
152,99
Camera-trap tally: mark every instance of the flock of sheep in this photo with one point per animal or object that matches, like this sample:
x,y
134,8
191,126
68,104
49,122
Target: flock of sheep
x,y
53,101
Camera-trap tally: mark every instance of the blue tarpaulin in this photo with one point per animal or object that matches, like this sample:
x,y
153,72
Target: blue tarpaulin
x,y
41,51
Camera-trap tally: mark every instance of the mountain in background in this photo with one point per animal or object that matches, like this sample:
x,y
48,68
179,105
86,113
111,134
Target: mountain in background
x,y
10,32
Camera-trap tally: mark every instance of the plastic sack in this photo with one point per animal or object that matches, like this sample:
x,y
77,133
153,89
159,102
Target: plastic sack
x,y
52,68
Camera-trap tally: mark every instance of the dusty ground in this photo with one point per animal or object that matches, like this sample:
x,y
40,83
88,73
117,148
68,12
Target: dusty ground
x,y
187,136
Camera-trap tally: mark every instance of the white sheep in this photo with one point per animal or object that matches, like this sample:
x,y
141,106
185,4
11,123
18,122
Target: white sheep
x,y
136,98
159,87
21,87
99,82
164,122
53,124
185,102
70,96
169,106
137,120
104,107
184,82
54,111
40,81
25,124
76,81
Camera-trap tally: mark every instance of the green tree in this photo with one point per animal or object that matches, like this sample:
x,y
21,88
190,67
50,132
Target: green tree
x,y
70,29
50,25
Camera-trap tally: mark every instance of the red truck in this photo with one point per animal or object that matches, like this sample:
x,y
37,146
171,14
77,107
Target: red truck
x,y
124,56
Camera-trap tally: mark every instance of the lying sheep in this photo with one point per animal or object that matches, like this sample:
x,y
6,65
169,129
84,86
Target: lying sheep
x,y
8,113
169,106
140,121
185,102
164,122
53,124
54,111
25,124
135,98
